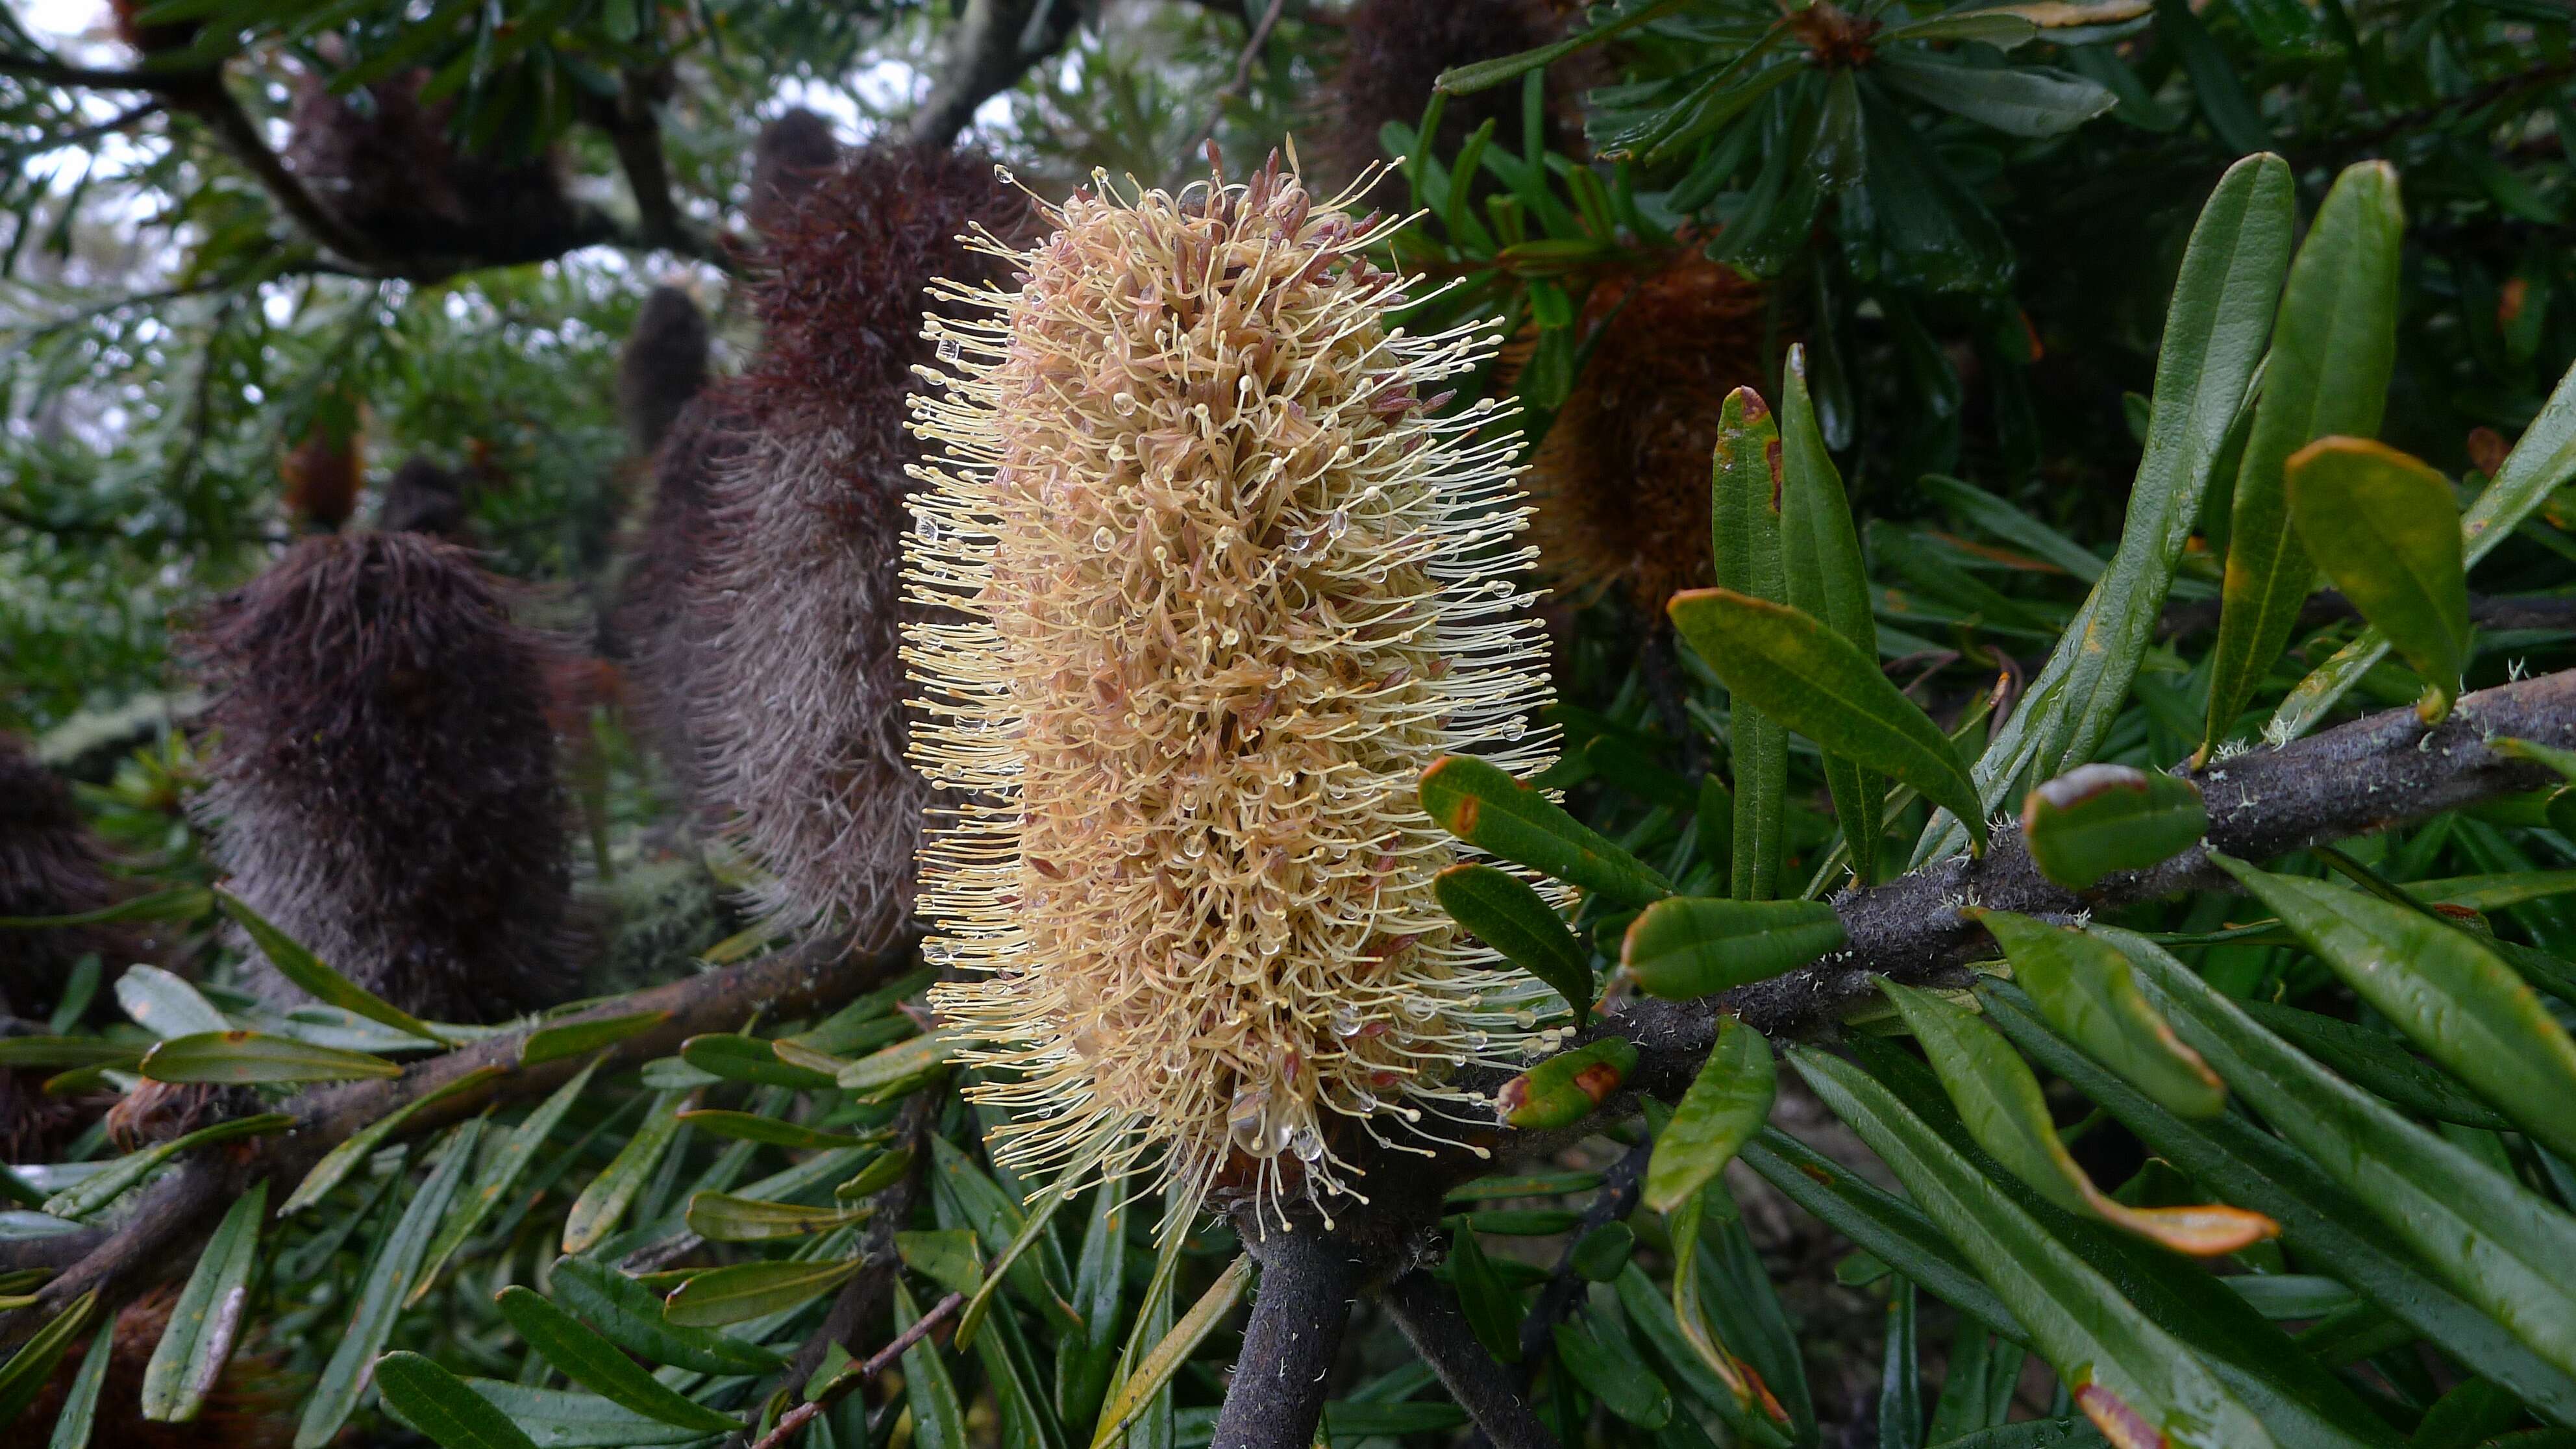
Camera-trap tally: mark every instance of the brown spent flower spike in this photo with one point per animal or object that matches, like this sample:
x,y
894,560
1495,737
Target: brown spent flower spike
x,y
50,865
795,695
1215,583
1622,480
382,779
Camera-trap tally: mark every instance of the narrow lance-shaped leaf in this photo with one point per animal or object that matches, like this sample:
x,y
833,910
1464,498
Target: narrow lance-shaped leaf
x,y
24,1376
1492,1310
1816,683
748,1290
721,1217
2382,525
2334,344
2465,1008
80,1402
630,1314
1480,803
1749,552
1827,579
2489,1238
1727,1103
2544,459
109,1183
207,1317
2380,1064
2214,333
595,1214
423,1394
499,1178
1156,1368
1695,946
166,1005
2097,820
344,1378
1732,1376
1505,913
2087,990
1999,1098
2137,1383
242,1058
598,1365
1566,1088
336,1164
572,1038
308,971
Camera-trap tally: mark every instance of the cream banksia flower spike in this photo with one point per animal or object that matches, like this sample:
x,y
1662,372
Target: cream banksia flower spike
x,y
1218,585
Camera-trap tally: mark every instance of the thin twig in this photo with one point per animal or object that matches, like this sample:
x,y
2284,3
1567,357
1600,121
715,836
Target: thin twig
x,y
1617,1199
1431,1322
793,1422
60,73
1231,91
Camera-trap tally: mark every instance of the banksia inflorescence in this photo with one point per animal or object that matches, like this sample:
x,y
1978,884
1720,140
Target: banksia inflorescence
x,y
1621,481
1392,53
1213,585
661,367
795,707
50,865
383,782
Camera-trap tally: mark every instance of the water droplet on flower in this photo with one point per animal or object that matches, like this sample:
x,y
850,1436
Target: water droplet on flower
x,y
1421,1008
929,529
1307,1143
948,349
1337,522
1515,727
1346,1022
1103,540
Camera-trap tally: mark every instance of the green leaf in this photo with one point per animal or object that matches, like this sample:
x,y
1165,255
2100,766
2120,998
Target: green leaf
x,y
2334,344
898,1063
2024,100
499,1178
1813,681
2537,466
630,1314
2486,1236
1825,577
179,903
856,1026
67,1051
109,1183
166,1005
1900,1379
2087,990
1468,79
2372,1061
738,1058
572,1038
1156,1368
2464,1007
596,1213
1567,1087
769,1131
724,1218
344,1379
2319,1219
590,1360
361,1144
1492,1309
1886,1226
1613,1372
1727,1103
80,1402
1481,803
1693,946
208,1316
2382,525
1505,913
747,1290
557,1419
440,1405
24,1376
2213,340
949,1257
883,1171
1030,1234
318,980
1750,554
2129,1375
239,1058
1999,1099
2097,820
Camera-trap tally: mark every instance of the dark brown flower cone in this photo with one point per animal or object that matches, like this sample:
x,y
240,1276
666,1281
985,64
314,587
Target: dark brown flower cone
x,y
1393,50
388,169
50,865
663,365
252,1404
1621,480
424,498
383,781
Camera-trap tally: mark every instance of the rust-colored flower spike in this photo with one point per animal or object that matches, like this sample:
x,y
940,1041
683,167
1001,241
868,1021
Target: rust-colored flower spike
x,y
1215,583
797,706
382,779
1621,481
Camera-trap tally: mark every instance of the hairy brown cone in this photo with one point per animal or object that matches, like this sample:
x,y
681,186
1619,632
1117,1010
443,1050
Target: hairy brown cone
x,y
793,153
423,498
390,170
662,366
797,703
383,782
1622,479
652,627
50,865
252,1405
1393,50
